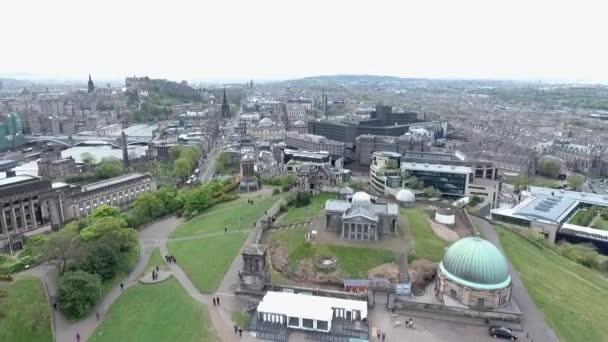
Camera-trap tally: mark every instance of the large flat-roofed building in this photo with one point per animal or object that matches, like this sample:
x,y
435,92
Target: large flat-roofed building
x,y
29,206
313,142
482,168
80,201
368,144
451,180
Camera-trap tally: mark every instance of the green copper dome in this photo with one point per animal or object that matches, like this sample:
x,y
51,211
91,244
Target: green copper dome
x,y
476,263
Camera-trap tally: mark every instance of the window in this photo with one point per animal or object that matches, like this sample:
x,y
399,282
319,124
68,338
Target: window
x,y
308,323
481,302
453,293
322,325
293,322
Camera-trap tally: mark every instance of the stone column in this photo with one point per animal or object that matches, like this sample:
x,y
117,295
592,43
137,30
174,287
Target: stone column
x,y
13,217
33,214
375,232
5,228
23,218
342,233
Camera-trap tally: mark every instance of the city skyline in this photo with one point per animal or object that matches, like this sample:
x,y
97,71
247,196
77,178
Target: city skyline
x,y
236,41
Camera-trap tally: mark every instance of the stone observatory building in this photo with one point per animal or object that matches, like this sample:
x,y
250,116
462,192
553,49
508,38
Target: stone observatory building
x,y
475,273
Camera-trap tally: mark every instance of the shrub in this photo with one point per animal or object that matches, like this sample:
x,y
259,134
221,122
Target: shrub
x,y
584,254
302,199
276,191
77,293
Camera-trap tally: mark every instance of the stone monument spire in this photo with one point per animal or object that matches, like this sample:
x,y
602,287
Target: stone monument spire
x,y
91,85
125,154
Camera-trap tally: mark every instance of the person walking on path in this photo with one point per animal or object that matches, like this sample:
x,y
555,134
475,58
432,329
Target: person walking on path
x,y
77,337
378,334
218,301
383,337
97,315
240,332
213,301
122,286
236,329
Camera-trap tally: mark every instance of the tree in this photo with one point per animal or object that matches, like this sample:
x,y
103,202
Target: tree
x,y
100,259
191,154
60,249
175,152
88,159
111,230
109,167
521,183
77,293
150,205
105,211
550,168
575,182
182,168
432,192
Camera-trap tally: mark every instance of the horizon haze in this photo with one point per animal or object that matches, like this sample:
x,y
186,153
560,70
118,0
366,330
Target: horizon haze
x,y
274,40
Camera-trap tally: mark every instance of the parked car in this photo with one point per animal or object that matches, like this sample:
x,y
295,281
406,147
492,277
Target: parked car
x,y
497,331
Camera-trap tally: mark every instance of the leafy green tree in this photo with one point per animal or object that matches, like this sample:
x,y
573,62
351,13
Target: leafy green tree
x,y
88,158
550,168
111,230
575,182
521,183
182,167
100,259
105,211
150,205
432,192
77,293
175,152
192,154
61,248
109,167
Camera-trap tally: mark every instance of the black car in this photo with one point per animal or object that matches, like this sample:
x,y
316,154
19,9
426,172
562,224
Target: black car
x,y
497,331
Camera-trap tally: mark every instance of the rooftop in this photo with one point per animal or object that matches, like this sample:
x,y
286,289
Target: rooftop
x,y
308,306
112,181
437,168
17,179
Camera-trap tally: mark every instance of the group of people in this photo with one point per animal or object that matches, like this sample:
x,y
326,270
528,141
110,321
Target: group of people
x,y
238,330
216,301
170,259
381,335
250,201
155,273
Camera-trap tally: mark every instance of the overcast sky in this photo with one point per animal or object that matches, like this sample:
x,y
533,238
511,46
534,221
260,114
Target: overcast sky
x,y
268,39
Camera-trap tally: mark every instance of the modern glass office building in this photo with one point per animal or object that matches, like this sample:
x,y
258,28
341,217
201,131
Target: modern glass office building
x,y
451,180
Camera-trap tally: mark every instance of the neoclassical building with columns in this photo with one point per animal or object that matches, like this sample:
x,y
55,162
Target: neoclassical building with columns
x,y
361,218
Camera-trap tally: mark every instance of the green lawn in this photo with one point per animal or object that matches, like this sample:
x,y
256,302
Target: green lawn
x,y
353,262
24,312
206,260
156,260
600,223
241,319
426,244
235,215
572,297
317,203
128,261
160,312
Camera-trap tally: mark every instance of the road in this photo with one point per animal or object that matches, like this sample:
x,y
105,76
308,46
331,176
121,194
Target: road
x,y
533,321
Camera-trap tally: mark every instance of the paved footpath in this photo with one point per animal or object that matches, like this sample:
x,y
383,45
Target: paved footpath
x,y
533,321
149,238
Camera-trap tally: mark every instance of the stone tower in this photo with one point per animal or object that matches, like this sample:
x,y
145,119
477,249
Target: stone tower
x,y
256,272
91,85
225,107
125,154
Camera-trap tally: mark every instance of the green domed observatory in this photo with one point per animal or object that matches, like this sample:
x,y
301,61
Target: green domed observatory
x,y
475,273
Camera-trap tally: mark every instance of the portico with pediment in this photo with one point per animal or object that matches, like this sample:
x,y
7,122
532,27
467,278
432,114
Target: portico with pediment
x,y
360,218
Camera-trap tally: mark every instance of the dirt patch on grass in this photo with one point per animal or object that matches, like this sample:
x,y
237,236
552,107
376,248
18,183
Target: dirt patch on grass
x,y
443,232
